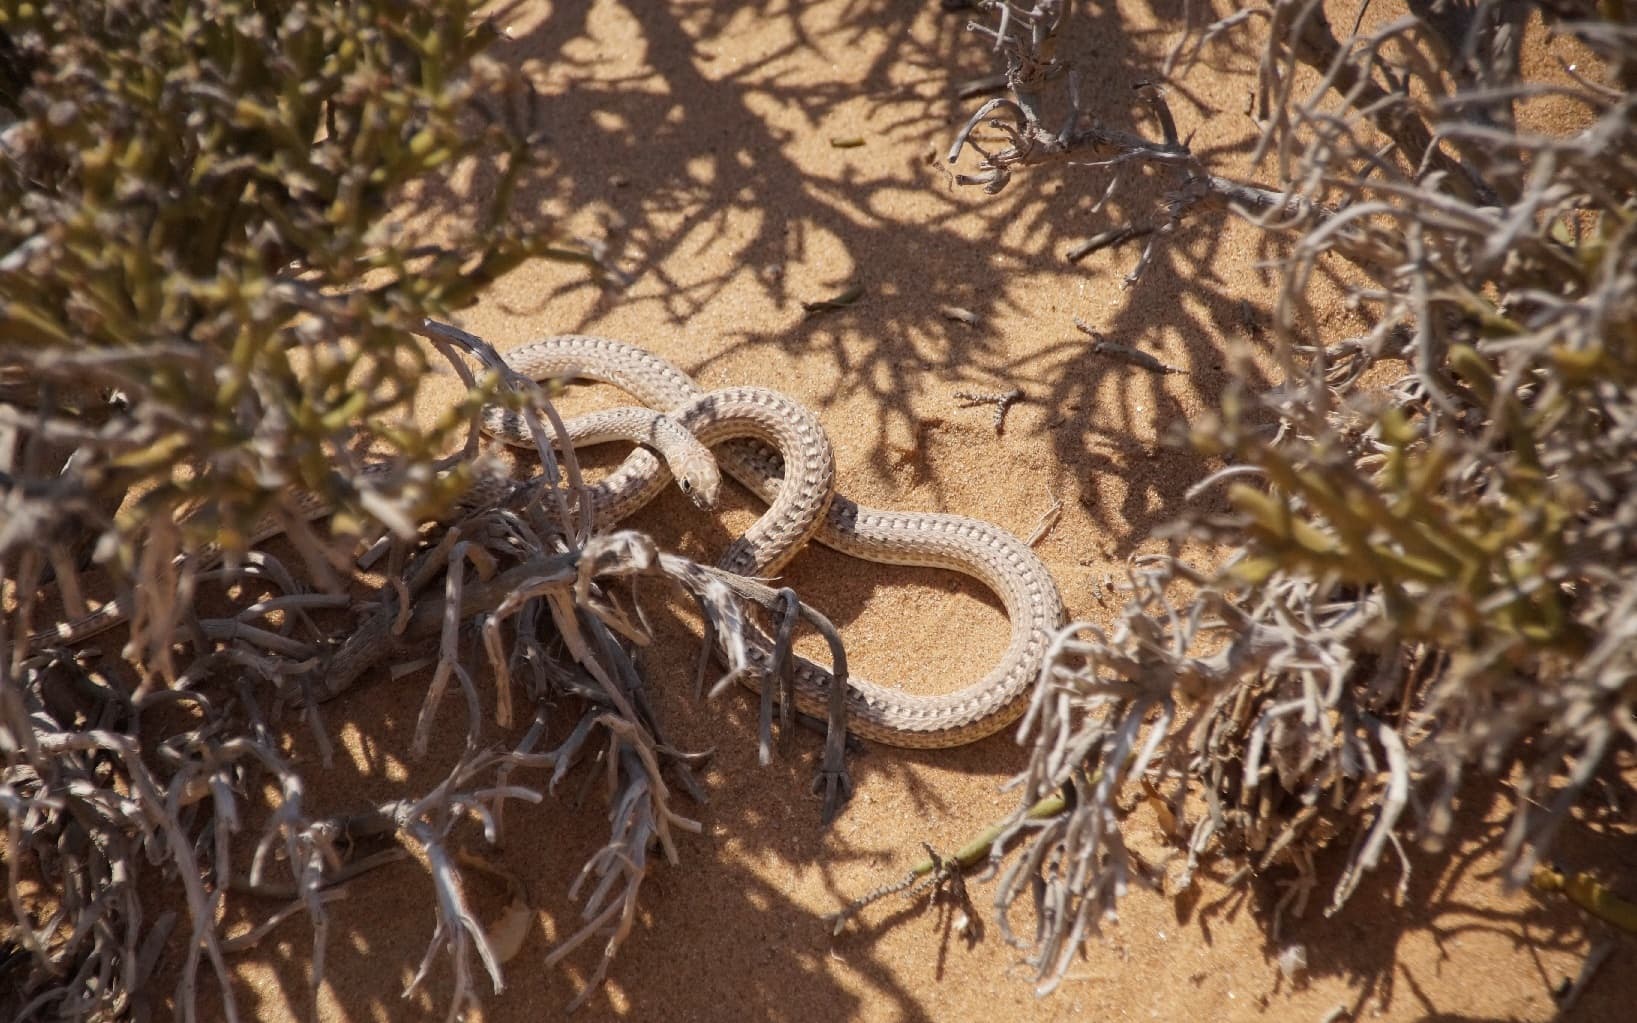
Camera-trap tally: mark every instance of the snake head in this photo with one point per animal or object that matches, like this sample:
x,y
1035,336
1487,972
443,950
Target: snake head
x,y
700,479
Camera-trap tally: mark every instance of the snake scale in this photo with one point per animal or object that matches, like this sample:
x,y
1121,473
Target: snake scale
x,y
971,546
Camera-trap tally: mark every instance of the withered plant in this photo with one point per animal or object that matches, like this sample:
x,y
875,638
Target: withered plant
x,y
212,275
1434,568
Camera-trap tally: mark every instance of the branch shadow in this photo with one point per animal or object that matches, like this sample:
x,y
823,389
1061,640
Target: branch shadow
x,y
698,130
1412,919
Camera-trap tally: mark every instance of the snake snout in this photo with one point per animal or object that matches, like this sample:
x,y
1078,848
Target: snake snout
x,y
701,481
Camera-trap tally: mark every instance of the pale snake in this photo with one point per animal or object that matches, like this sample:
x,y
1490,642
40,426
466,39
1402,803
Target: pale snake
x,y
970,546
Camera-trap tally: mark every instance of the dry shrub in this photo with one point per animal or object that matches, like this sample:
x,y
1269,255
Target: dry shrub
x,y
208,295
1433,576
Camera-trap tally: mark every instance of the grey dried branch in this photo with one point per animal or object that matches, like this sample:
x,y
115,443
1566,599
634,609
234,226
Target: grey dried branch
x,y
285,369
1395,617
1107,240
1002,400
747,650
1020,118
1124,353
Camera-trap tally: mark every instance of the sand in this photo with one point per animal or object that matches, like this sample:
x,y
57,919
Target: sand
x,y
697,140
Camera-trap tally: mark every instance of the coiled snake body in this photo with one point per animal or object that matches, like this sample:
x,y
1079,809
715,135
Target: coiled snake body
x,y
970,546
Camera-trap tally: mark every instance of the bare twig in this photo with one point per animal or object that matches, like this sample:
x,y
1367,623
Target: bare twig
x,y
1002,400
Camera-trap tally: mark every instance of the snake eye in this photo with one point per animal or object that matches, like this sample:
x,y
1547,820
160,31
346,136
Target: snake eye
x,y
687,488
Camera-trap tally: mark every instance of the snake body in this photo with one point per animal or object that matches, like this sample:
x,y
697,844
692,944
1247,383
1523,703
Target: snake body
x,y
766,418
971,546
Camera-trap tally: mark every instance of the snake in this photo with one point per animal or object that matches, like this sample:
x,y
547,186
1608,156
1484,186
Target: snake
x,y
782,454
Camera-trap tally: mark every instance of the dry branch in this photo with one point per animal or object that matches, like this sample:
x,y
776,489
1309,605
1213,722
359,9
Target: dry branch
x,y
190,365
1433,579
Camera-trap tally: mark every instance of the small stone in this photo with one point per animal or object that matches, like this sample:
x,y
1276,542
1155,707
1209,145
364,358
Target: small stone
x,y
1293,961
